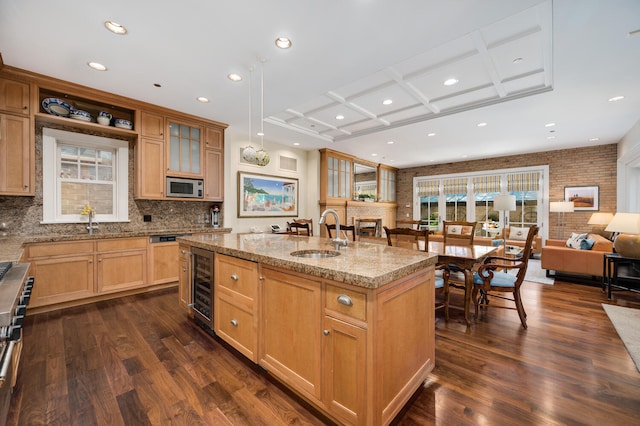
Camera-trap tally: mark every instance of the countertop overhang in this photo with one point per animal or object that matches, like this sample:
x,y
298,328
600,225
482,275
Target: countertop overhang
x,y
362,264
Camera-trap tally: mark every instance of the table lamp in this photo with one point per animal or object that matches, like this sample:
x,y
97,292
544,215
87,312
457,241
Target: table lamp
x,y
504,203
600,221
561,207
627,243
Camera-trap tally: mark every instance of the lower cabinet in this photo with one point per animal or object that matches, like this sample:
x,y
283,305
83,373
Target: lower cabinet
x,y
122,264
163,267
235,316
71,271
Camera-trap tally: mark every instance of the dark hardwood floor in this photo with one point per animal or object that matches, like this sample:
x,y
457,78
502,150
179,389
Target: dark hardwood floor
x,y
139,361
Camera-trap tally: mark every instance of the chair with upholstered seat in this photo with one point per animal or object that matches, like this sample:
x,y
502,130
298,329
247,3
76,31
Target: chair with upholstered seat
x,y
411,238
489,278
345,228
297,228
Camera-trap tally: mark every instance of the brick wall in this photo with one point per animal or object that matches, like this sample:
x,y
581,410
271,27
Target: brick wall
x,y
588,166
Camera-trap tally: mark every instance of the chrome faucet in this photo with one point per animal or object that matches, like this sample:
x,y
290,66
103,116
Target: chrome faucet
x,y
337,241
92,224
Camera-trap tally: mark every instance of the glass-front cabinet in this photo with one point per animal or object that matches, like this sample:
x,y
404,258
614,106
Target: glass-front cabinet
x,y
387,189
185,149
338,176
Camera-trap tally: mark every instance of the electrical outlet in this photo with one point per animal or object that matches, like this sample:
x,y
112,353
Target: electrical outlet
x,y
147,218
407,214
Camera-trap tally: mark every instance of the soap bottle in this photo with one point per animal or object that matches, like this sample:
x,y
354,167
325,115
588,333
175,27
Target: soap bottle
x,y
215,216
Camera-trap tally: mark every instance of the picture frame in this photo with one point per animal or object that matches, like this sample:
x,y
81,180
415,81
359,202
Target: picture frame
x,y
583,197
262,195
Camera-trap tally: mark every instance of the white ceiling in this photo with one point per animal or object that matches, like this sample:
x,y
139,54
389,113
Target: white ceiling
x,y
350,55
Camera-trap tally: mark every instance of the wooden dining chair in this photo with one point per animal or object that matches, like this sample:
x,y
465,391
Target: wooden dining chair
x,y
459,233
297,228
308,221
345,228
490,278
409,236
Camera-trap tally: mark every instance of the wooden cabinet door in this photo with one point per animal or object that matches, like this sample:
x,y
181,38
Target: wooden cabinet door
x,y
14,96
214,138
291,330
62,279
214,175
150,177
152,125
344,370
15,155
121,270
163,262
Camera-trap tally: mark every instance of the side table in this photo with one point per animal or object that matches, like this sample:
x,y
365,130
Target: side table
x,y
611,272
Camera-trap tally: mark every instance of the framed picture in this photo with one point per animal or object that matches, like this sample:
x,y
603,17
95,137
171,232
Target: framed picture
x,y
583,197
266,196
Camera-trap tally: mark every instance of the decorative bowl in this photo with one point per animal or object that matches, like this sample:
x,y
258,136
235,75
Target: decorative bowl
x,y
79,114
123,124
57,107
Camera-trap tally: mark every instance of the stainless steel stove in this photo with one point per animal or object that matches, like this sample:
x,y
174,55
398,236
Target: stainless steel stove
x,y
15,292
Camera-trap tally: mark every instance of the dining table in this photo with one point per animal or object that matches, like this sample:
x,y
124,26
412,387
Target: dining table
x,y
467,258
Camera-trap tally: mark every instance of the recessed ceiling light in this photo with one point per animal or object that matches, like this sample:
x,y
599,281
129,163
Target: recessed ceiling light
x,y
387,102
431,134
234,77
450,81
549,124
517,60
202,99
283,42
482,124
551,137
340,117
115,28
296,143
594,139
390,142
616,98
260,134
374,155
97,66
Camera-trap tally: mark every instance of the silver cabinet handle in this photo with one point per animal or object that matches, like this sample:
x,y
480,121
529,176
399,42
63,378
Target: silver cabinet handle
x,y
234,277
182,251
345,300
7,362
234,322
326,332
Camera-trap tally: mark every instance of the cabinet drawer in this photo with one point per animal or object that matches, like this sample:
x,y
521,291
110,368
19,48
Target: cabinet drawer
x,y
346,302
121,244
60,249
238,275
237,328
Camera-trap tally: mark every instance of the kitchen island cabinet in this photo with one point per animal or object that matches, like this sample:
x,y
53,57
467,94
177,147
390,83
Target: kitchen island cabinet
x,y
353,335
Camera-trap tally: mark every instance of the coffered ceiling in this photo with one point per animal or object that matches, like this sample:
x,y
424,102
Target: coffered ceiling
x,y
520,65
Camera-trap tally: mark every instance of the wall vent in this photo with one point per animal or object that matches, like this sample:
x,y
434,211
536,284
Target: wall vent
x,y
288,163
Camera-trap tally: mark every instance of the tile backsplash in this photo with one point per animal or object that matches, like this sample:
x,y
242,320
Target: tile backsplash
x,y
22,215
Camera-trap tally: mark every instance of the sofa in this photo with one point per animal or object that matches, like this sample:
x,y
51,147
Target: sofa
x,y
556,256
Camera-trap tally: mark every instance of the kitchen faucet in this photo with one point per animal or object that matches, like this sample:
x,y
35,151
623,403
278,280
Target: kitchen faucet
x,y
337,241
92,224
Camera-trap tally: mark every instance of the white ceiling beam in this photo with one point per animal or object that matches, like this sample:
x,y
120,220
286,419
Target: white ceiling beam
x,y
489,66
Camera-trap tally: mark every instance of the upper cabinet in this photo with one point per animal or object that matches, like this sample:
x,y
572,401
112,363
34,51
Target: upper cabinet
x,y
166,142
17,152
184,150
14,96
345,177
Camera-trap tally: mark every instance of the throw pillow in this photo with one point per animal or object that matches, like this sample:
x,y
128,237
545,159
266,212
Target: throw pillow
x,y
519,234
497,243
587,244
457,230
574,240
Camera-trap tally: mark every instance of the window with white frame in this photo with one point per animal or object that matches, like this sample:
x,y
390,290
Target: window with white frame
x,y
81,169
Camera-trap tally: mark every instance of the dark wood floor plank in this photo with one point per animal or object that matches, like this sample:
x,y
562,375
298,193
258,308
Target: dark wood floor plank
x,y
140,360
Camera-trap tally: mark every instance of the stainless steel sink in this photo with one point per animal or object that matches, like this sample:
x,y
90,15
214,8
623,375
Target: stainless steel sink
x,y
315,254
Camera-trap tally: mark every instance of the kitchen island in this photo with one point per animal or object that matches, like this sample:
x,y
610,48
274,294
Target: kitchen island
x,y
351,334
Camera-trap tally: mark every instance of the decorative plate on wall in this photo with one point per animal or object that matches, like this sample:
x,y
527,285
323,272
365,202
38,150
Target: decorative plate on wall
x,y
56,106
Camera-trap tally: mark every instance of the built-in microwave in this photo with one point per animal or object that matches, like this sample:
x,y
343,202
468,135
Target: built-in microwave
x,y
184,187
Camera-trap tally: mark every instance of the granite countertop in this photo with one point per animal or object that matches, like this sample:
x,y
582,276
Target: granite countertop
x,y
362,264
11,247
